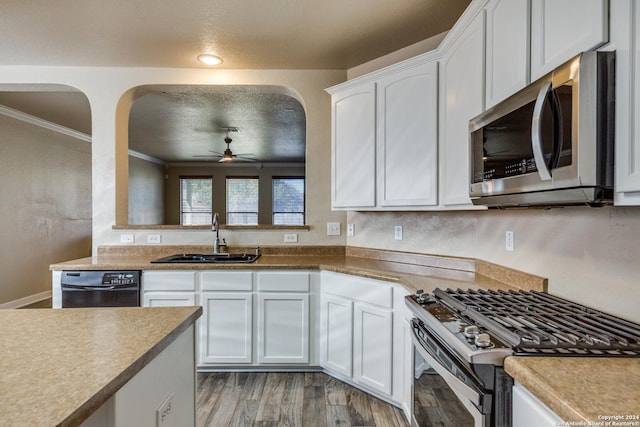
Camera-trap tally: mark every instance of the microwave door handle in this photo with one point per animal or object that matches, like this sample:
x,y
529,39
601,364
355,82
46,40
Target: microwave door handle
x,y
536,133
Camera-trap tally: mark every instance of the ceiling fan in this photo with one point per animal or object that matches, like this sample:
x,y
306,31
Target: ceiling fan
x,y
228,156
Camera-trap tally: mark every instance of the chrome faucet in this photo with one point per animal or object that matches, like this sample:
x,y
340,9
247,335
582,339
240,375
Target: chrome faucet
x,y
215,226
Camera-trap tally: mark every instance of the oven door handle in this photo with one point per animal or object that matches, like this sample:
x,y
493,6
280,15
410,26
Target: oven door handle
x,y
536,133
458,386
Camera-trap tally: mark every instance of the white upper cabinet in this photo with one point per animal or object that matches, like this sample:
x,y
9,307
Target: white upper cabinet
x,y
461,90
353,142
507,53
625,34
561,29
385,137
407,134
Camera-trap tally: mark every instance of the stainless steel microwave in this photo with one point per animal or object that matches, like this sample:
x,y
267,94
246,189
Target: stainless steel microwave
x,y
550,144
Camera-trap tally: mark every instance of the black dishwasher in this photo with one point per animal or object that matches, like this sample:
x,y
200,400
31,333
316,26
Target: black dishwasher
x,y
100,289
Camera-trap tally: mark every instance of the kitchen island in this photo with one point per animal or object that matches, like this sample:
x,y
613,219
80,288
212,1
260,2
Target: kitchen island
x,y
61,366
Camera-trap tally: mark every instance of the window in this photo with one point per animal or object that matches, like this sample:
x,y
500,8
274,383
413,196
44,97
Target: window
x,y
288,201
242,200
195,200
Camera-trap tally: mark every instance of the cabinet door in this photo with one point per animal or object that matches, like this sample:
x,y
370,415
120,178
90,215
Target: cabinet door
x,y
627,41
283,328
407,137
168,299
373,347
561,29
353,148
226,328
336,335
507,54
528,411
461,100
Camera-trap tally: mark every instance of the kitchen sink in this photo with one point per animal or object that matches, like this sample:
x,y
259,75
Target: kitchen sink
x,y
207,258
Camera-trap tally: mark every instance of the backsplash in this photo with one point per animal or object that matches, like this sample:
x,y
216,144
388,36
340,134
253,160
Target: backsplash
x,y
589,255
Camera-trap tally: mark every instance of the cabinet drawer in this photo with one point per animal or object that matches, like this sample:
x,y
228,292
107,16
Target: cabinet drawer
x,y
283,281
226,280
168,281
358,288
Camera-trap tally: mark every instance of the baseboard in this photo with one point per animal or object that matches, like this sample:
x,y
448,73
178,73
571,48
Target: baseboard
x,y
31,299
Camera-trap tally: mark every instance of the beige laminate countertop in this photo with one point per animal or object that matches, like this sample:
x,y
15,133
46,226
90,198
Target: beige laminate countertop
x,y
58,366
582,390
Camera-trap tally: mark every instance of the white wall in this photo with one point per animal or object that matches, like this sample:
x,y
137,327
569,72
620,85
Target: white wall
x,y
146,192
589,255
110,93
45,212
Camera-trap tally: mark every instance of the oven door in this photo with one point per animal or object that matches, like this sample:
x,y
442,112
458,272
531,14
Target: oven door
x,y
475,401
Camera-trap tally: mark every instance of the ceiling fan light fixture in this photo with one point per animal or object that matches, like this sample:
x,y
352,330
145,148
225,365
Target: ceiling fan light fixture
x,y
209,59
228,156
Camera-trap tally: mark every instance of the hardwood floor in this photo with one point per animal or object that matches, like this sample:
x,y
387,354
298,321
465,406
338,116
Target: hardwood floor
x,y
288,399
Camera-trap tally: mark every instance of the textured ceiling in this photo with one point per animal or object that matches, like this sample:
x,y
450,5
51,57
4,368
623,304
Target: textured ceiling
x,y
185,124
248,34
274,34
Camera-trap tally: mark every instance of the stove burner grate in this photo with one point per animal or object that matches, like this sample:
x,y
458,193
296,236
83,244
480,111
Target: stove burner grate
x,y
537,323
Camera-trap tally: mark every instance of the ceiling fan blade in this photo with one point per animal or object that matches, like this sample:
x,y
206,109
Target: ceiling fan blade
x,y
246,159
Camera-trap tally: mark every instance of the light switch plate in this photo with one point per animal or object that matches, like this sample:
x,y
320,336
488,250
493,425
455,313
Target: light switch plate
x,y
333,229
127,238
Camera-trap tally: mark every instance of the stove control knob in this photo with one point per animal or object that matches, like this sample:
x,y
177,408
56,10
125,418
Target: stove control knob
x,y
483,341
471,331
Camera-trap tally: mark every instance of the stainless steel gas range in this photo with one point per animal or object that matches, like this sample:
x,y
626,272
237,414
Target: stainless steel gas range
x,y
464,336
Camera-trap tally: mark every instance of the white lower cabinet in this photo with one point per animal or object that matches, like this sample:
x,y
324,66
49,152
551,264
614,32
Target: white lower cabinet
x,y
352,326
226,328
337,335
283,327
168,288
356,337
528,411
372,351
254,318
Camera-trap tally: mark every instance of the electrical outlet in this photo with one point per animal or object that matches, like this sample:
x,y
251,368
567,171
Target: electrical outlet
x,y
164,411
397,232
291,238
127,238
509,243
154,238
333,229
351,230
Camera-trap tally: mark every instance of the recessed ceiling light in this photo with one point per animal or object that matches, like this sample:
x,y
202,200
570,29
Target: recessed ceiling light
x,y
209,59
